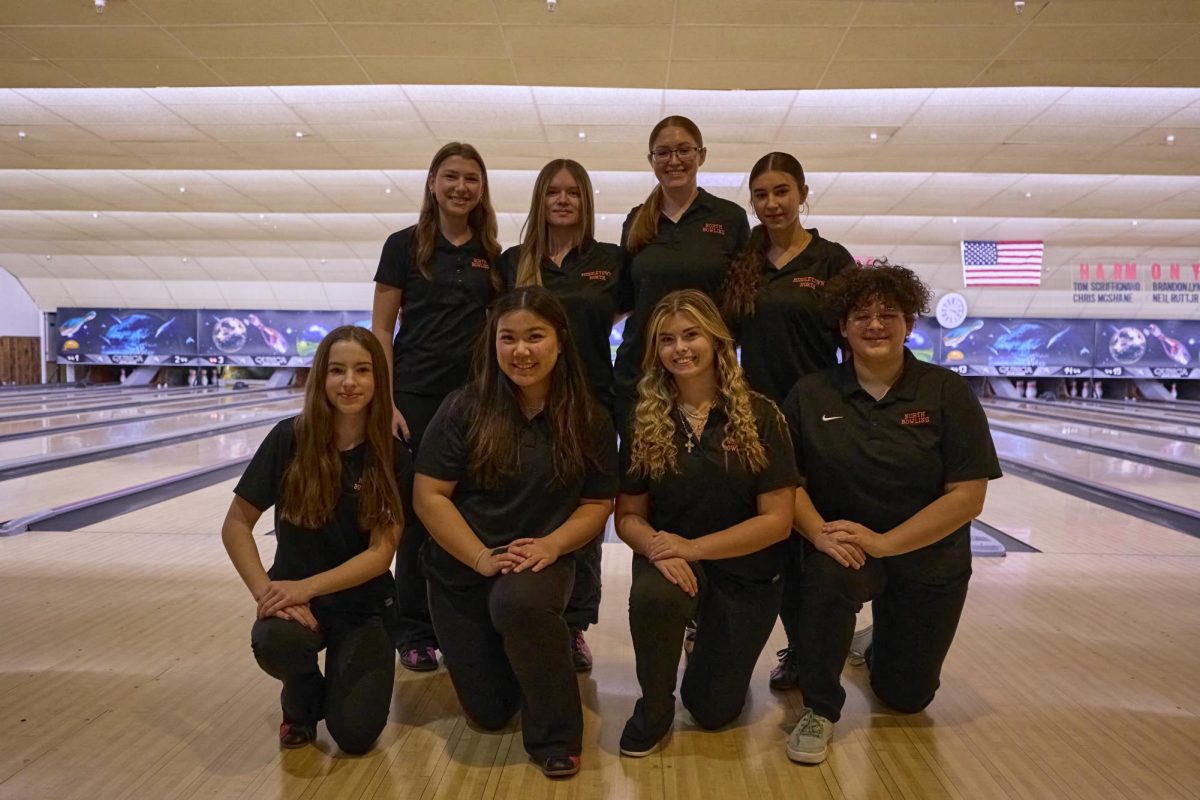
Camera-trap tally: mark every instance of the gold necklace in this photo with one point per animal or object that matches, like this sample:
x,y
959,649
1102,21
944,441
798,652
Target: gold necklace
x,y
693,427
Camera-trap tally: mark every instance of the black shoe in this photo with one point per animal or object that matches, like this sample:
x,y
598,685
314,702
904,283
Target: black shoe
x,y
422,658
636,746
786,674
559,766
293,735
581,654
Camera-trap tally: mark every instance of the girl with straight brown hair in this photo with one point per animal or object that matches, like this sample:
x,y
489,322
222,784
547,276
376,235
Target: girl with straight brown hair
x,y
559,252
682,237
331,473
438,277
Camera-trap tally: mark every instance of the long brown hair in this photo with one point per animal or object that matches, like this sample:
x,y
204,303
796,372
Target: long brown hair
x,y
482,219
535,236
312,481
494,435
645,223
653,453
744,276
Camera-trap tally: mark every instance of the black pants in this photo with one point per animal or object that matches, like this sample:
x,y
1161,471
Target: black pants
x,y
413,628
793,589
583,607
917,601
507,648
733,618
354,695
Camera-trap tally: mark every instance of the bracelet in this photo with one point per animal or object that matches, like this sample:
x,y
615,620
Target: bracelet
x,y
475,566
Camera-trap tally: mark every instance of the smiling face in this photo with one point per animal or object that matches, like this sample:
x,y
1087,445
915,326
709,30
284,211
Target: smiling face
x,y
564,201
676,170
457,186
350,378
777,199
876,331
527,348
684,349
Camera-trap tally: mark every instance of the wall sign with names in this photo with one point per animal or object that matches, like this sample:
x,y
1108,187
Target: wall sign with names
x,y
1126,283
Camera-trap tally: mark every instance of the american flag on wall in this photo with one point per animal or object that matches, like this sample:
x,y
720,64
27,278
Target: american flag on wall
x,y
1002,263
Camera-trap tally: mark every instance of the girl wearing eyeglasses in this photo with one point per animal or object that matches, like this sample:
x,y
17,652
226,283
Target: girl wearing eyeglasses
x,y
682,237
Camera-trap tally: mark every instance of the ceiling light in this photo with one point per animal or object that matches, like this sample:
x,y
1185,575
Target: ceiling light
x,y
182,189
874,137
603,217
1029,194
185,259
95,215
595,191
300,134
551,5
49,258
23,134
582,135
1135,223
954,220
387,190
1018,6
262,216
322,261
100,4
1170,138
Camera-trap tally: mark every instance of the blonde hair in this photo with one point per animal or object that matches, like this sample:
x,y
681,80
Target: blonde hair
x,y
535,235
645,223
653,453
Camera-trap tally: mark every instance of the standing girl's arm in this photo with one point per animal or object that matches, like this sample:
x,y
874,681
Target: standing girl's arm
x,y
359,569
385,308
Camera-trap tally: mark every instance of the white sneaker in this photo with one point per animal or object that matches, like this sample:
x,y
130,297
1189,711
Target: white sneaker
x,y
809,740
858,646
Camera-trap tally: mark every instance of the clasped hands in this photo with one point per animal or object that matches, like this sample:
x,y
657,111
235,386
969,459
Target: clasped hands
x,y
518,556
849,543
287,600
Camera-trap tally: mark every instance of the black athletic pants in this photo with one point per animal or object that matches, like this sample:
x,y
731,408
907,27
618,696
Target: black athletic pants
x,y
507,648
354,695
734,618
917,601
413,628
793,589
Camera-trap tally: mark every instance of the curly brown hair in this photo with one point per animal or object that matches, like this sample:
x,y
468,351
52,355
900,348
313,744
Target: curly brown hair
x,y
856,287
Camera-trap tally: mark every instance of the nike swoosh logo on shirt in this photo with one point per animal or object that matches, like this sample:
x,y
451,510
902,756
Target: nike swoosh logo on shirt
x,y
829,419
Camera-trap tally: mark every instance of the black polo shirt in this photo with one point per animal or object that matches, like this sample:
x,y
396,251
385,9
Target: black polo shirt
x,y
878,463
301,553
693,253
712,489
531,503
439,319
586,284
787,336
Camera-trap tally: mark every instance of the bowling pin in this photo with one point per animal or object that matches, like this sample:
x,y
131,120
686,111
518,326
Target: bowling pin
x,y
1174,391
1020,388
1098,390
1031,390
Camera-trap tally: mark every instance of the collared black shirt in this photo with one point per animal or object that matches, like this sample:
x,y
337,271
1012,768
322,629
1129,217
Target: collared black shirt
x,y
439,320
787,336
301,553
586,284
878,463
531,503
693,253
713,490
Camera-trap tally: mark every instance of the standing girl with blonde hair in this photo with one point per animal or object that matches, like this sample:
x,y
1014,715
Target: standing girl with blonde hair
x,y
706,502
559,252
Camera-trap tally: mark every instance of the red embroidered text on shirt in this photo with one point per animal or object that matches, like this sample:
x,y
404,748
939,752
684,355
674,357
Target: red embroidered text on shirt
x,y
808,282
730,445
597,275
479,263
714,227
915,418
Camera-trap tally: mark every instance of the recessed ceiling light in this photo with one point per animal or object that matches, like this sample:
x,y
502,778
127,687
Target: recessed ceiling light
x,y
300,134
874,137
583,134
22,134
603,217
322,261
595,191
1029,194
185,259
954,220
1135,222
387,190
551,5
49,258
95,215
1170,138
262,216
182,189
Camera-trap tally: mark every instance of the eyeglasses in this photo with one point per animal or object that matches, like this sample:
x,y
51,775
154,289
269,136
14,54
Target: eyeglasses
x,y
888,316
686,152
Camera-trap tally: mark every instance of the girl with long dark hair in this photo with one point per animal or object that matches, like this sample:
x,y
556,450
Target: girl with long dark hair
x,y
706,503
772,299
559,252
682,237
331,473
517,473
437,277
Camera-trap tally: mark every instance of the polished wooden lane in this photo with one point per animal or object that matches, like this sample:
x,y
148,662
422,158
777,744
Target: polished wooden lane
x,y
83,398
127,674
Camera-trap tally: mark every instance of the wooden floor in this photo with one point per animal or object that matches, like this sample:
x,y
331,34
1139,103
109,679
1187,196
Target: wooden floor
x,y
125,672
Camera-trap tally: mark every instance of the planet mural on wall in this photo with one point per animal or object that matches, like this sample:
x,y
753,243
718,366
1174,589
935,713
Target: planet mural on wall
x,y
1127,345
308,339
229,334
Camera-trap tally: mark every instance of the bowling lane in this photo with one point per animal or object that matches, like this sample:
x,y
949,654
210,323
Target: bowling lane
x,y
22,451
1100,418
1102,471
1184,453
50,424
32,493
1146,409
197,513
84,400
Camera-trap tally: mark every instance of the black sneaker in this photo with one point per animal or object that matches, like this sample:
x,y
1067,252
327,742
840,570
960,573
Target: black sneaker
x,y
559,766
293,735
786,674
422,658
635,746
581,654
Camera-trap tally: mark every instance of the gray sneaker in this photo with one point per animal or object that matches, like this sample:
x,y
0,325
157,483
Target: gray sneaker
x,y
809,740
859,645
